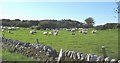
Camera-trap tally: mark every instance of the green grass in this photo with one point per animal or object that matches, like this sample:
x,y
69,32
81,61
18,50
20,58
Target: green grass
x,y
86,43
8,56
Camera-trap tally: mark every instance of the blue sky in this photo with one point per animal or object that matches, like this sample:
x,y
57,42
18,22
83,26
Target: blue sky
x,y
102,12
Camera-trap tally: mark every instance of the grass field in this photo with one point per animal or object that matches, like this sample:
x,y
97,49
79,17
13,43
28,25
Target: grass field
x,y
6,55
86,43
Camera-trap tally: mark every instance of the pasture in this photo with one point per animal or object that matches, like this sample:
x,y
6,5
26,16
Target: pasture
x,y
86,43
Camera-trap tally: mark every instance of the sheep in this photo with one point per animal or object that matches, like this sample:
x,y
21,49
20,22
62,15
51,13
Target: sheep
x,y
32,31
94,31
84,32
68,29
9,31
80,28
55,33
73,30
17,27
1,27
50,33
45,33
2,30
11,28
80,31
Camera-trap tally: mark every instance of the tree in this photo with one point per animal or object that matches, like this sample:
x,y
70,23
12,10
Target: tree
x,y
89,22
17,20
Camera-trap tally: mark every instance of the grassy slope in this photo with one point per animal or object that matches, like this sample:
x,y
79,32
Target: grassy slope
x,y
89,43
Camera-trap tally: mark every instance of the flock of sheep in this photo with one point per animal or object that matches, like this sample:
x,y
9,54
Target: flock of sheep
x,y
3,28
52,32
46,53
81,30
73,30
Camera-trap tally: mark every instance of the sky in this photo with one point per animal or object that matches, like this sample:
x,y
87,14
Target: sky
x,y
101,12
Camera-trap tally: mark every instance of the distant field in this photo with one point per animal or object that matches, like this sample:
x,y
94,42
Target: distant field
x,y
86,43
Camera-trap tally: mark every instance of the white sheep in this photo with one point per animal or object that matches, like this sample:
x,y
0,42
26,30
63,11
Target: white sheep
x,y
2,30
84,31
94,31
32,31
55,33
45,33
73,29
80,28
17,27
50,33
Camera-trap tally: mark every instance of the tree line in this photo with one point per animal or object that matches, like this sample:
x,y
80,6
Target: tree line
x,y
53,24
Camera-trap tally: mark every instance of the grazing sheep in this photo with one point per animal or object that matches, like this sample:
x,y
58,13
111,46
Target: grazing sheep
x,y
32,32
84,32
80,31
94,31
45,33
17,27
55,33
4,27
68,29
73,30
9,31
2,30
1,27
80,28
50,33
